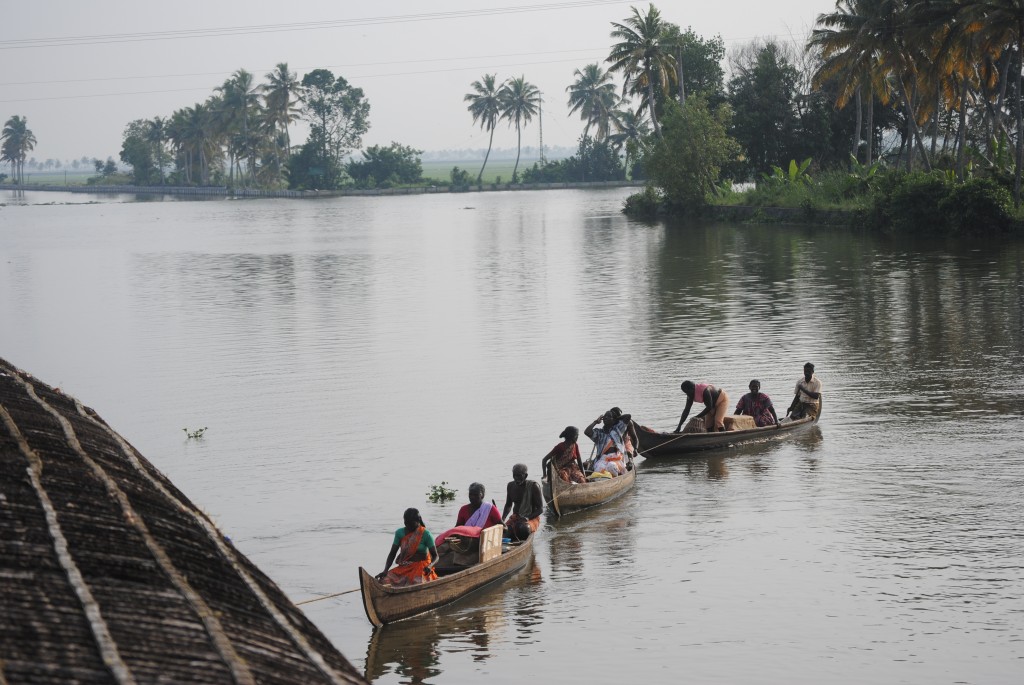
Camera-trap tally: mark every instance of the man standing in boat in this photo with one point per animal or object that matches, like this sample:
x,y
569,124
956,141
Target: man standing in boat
x,y
525,500
808,392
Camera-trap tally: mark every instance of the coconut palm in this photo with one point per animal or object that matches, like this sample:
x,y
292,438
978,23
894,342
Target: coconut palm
x,y
593,96
865,43
1000,24
847,54
485,106
631,129
156,134
240,100
191,133
642,58
518,100
282,93
18,141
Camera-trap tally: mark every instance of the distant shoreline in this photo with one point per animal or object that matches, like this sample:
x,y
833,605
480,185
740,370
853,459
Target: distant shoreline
x,y
211,191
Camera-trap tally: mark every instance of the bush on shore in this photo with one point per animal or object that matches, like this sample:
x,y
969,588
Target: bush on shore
x,y
889,201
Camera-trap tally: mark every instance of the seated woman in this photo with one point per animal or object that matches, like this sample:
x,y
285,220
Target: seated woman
x,y
758,405
478,513
415,548
460,546
566,457
614,442
715,401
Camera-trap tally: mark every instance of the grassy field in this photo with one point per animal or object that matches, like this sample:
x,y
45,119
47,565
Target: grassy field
x,y
57,178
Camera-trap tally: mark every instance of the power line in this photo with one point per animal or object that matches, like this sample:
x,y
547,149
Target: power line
x,y
324,66
219,32
207,89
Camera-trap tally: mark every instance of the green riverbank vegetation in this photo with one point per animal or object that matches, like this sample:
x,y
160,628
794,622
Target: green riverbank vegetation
x,y
904,115
890,110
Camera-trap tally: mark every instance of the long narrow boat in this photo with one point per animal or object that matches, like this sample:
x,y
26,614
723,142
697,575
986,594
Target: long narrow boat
x,y
386,604
566,497
655,444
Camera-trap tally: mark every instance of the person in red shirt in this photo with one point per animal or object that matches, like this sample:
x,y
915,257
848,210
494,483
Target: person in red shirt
x,y
478,512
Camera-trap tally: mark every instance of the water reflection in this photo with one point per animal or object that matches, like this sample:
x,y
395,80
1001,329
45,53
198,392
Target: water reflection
x,y
332,348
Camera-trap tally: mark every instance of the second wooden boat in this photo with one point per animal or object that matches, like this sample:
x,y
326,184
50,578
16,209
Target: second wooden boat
x,y
566,497
386,604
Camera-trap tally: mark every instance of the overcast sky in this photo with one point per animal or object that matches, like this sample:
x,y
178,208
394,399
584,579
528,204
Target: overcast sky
x,y
79,71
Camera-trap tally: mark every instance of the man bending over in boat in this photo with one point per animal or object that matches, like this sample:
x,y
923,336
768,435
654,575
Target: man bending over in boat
x,y
566,457
525,500
758,405
715,401
614,441
808,392
415,548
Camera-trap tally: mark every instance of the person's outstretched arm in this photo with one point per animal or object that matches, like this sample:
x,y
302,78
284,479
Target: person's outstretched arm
x,y
686,412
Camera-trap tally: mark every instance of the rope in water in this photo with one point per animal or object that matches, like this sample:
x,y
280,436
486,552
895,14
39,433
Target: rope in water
x,y
317,599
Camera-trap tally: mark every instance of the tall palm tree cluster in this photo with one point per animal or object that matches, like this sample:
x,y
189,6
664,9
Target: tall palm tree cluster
x,y
241,130
515,100
18,141
647,56
949,66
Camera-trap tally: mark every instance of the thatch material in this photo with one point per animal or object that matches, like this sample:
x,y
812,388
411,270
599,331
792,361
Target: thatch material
x,y
108,574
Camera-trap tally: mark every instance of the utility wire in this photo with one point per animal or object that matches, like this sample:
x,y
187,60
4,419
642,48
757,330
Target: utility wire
x,y
219,32
298,69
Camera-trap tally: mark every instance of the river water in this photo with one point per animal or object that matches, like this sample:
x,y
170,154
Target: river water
x,y
346,354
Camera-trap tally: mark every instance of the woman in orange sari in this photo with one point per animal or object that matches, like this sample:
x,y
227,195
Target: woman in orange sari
x,y
414,546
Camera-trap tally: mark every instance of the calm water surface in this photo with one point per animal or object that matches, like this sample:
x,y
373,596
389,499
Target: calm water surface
x,y
346,354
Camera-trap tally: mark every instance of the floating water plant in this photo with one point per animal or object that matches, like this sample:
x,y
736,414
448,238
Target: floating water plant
x,y
197,434
440,493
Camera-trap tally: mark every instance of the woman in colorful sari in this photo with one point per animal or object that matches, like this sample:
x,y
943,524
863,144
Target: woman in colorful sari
x,y
414,546
566,457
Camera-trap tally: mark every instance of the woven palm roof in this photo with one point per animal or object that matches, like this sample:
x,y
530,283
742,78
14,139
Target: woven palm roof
x,y
109,574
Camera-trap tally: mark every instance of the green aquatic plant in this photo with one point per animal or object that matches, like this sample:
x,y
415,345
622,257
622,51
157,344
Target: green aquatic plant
x,y
440,493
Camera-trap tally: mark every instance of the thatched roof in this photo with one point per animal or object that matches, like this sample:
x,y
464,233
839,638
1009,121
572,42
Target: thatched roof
x,y
108,574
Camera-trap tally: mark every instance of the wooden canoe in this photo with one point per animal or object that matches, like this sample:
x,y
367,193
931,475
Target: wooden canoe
x,y
655,444
386,604
567,497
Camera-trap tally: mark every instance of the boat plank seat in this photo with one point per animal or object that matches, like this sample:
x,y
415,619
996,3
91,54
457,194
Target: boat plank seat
x,y
490,542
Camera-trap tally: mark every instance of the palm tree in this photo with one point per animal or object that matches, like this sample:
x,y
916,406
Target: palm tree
x,y
631,129
240,99
18,141
865,43
642,58
485,106
518,99
157,134
282,93
847,59
1001,24
593,96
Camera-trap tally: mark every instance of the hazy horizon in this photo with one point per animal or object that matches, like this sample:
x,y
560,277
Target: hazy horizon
x,y
80,72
